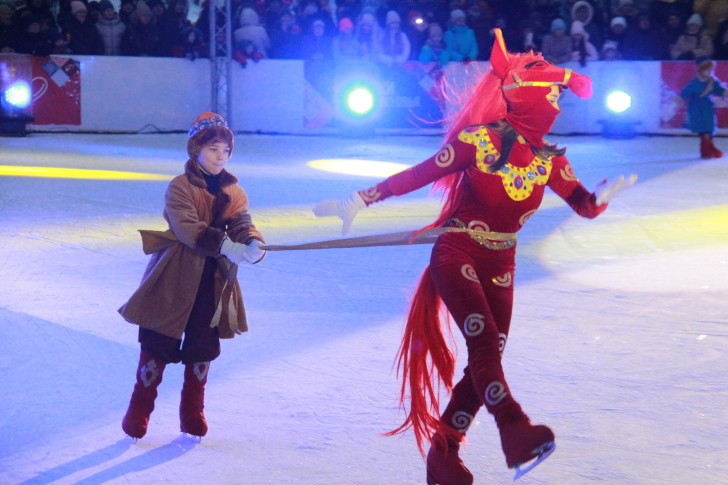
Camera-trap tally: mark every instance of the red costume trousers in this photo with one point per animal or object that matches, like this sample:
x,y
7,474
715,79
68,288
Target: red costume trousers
x,y
476,285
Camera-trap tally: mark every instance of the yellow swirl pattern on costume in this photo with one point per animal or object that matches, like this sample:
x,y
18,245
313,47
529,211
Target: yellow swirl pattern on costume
x,y
567,173
504,281
519,182
469,272
525,217
478,226
445,157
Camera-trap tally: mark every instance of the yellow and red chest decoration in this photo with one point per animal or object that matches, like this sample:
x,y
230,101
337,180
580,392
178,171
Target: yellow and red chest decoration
x,y
518,182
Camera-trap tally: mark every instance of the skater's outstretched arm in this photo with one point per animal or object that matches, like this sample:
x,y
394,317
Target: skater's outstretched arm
x,y
564,182
454,156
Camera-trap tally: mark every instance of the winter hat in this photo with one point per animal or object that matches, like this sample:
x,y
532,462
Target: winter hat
x,y
619,21
412,16
77,6
577,27
367,18
318,22
704,62
435,29
558,24
457,14
154,3
580,4
249,17
143,10
609,45
207,129
104,5
345,23
695,19
393,16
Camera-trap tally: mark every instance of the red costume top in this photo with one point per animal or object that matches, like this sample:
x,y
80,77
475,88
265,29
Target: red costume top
x,y
501,201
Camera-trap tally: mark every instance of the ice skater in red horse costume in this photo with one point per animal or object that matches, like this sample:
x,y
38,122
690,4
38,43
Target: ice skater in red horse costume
x,y
493,168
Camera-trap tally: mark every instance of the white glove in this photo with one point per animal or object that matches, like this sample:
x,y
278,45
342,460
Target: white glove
x,y
346,209
606,190
253,254
235,252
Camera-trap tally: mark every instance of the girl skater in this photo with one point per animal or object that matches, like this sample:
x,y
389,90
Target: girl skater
x,y
189,297
494,167
701,118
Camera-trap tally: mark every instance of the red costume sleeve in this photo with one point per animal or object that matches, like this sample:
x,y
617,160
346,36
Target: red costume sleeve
x,y
567,186
455,156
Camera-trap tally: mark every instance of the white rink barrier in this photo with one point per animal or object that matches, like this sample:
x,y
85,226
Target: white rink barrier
x,y
131,94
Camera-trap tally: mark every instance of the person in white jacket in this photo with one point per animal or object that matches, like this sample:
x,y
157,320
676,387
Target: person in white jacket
x,y
582,50
111,28
395,47
252,31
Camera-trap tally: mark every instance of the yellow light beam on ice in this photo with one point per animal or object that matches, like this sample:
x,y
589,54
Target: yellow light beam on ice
x,y
364,168
77,173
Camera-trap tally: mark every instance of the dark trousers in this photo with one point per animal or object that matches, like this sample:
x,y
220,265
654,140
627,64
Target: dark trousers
x,y
200,343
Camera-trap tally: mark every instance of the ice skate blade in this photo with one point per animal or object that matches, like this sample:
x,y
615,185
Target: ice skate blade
x,y
133,440
194,438
542,452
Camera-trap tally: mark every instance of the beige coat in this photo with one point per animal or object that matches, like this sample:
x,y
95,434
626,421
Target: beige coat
x,y
197,224
701,45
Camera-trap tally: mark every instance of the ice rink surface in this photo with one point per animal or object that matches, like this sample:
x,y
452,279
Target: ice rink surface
x,y
619,340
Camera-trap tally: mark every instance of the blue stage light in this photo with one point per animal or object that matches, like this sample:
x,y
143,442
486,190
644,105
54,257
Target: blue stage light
x,y
618,101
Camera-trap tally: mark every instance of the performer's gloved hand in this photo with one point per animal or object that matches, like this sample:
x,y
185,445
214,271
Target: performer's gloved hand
x,y
253,254
606,190
346,209
235,252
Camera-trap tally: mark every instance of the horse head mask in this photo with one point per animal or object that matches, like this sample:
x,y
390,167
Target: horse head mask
x,y
526,80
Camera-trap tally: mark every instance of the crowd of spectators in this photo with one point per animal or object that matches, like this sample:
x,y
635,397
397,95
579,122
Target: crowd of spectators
x,y
390,32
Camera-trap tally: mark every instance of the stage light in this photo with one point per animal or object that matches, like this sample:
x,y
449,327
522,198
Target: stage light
x,y
618,122
362,168
618,101
360,101
419,21
16,107
17,95
78,173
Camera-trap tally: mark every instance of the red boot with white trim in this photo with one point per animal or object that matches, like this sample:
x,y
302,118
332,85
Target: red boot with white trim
x,y
191,416
149,376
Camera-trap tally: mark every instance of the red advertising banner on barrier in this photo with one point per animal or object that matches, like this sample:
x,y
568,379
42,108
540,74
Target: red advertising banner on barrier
x,y
56,90
675,76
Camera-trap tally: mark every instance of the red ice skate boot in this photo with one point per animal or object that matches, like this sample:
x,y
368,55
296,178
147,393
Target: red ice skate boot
x,y
191,418
715,152
444,466
706,144
523,442
148,378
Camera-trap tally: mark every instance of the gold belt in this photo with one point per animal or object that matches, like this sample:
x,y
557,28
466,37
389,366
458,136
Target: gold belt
x,y
491,240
